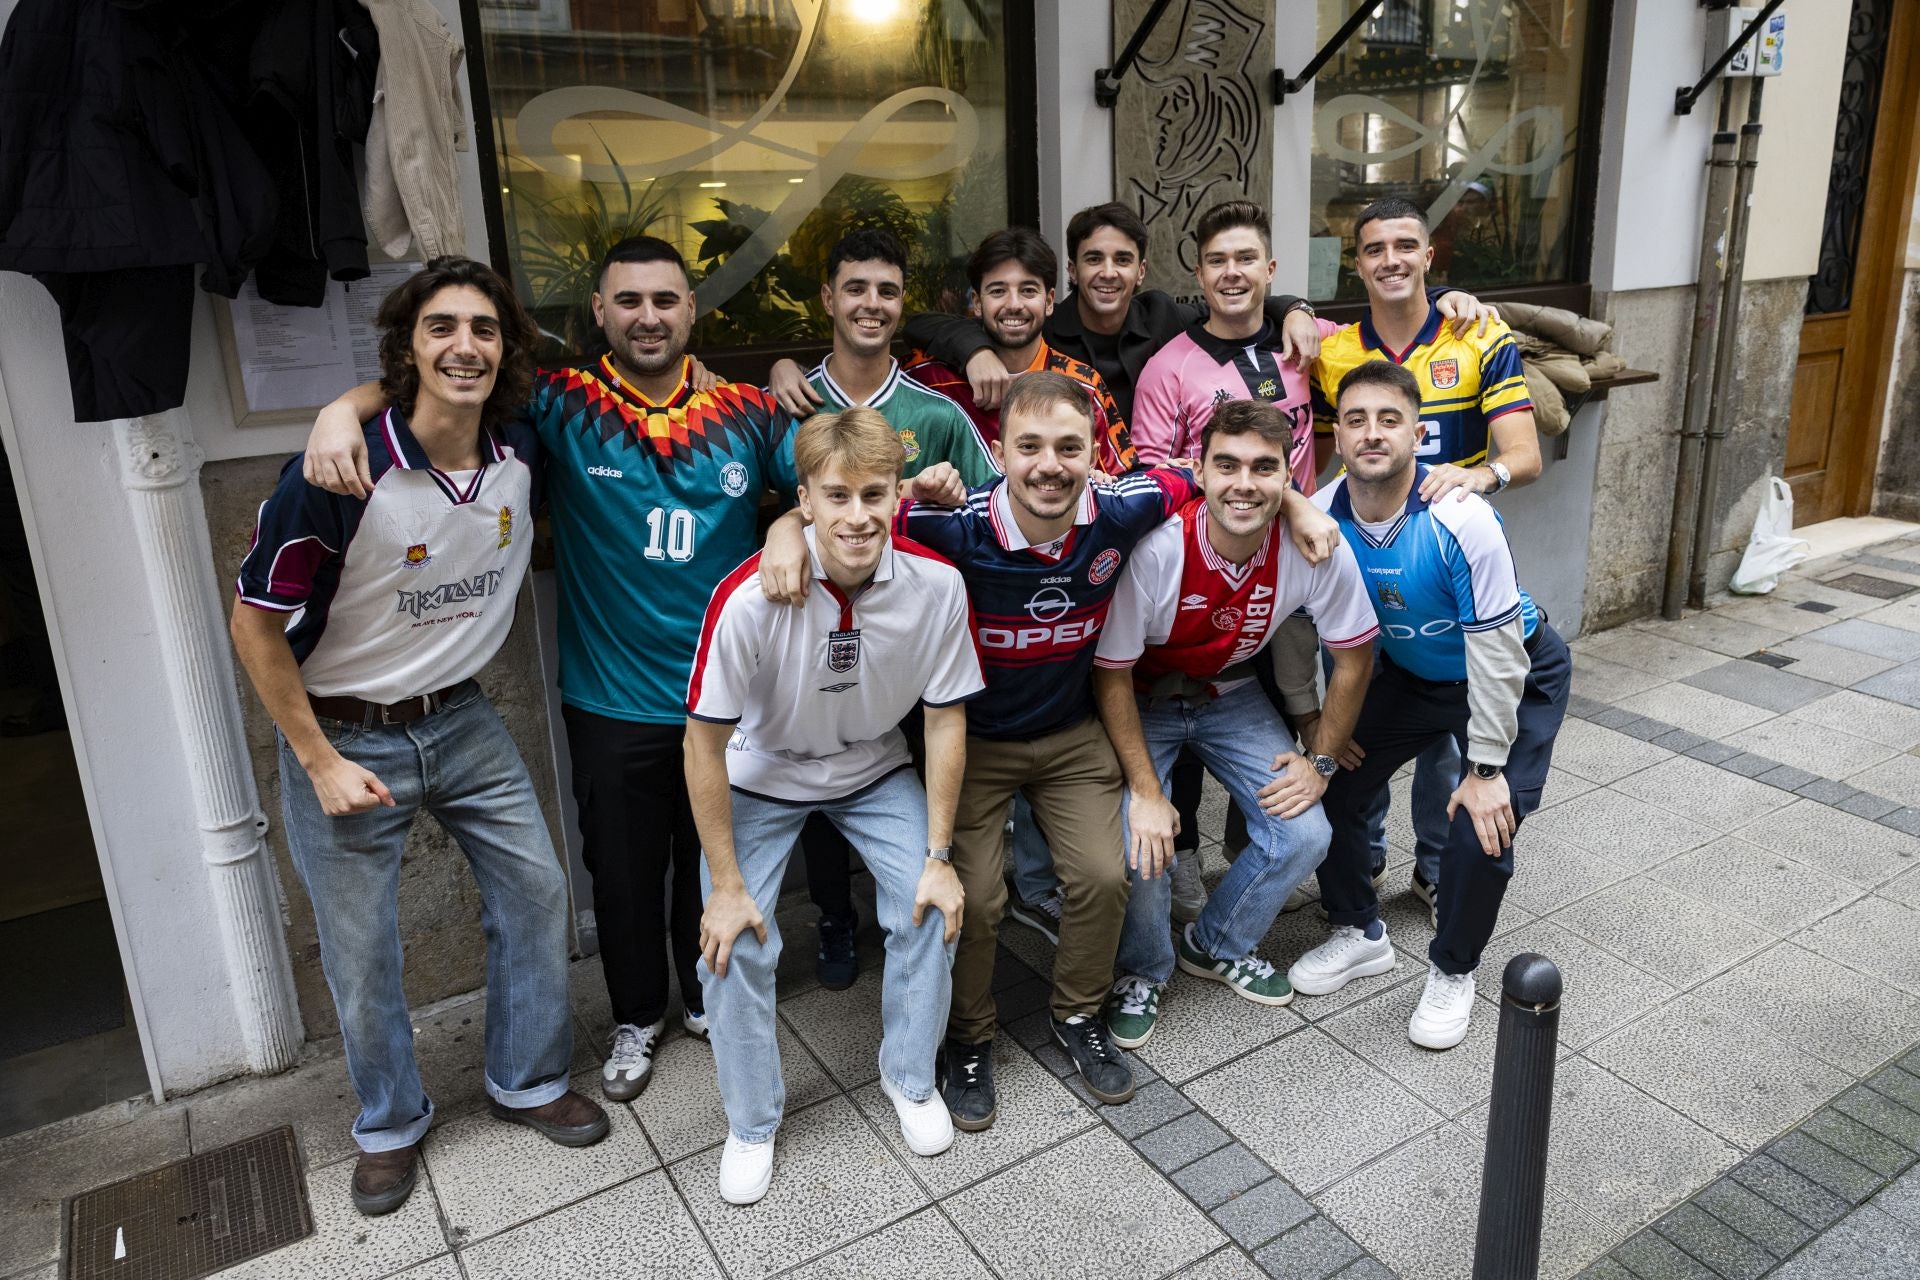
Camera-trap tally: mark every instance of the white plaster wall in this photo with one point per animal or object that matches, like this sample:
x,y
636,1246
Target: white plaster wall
x,y
1797,117
1073,38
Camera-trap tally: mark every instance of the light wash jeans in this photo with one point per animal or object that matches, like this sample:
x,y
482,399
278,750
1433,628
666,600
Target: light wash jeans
x,y
1436,772
459,765
887,823
1236,737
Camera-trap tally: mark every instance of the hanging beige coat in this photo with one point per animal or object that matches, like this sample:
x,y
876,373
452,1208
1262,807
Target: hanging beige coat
x,y
412,198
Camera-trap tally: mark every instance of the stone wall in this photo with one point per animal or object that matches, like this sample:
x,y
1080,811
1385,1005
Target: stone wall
x,y
1897,486
1633,498
439,906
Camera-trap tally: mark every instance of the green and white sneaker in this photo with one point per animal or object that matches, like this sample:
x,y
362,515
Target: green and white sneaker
x,y
1132,1009
1249,977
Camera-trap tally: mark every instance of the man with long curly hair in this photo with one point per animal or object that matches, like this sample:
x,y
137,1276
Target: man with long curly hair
x,y
362,623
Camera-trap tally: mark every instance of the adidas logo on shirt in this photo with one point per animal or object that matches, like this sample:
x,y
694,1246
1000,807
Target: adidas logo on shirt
x,y
610,472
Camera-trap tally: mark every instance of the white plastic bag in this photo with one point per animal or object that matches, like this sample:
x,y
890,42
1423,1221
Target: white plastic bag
x,y
1773,549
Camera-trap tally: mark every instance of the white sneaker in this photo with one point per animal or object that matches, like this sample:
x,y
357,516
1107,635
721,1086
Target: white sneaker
x,y
1189,890
926,1126
629,1065
695,1024
1297,899
1347,955
1440,1019
745,1170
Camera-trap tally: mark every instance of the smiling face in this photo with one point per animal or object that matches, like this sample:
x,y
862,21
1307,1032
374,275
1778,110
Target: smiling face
x,y
1107,268
457,347
646,311
1244,477
864,300
1013,304
1047,452
1375,430
1392,256
851,513
1235,269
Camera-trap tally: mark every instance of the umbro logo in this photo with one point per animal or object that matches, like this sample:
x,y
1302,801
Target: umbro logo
x,y
1194,601
610,472
839,688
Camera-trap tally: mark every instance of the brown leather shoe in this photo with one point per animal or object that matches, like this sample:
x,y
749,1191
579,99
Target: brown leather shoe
x,y
382,1180
572,1119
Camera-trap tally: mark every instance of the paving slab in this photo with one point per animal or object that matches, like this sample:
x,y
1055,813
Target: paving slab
x,y
1340,1111
1834,664
833,1181
1603,681
638,1229
1313,1250
1759,1084
1624,829
681,1109
1891,644
1449,1082
1214,1179
1834,1170
1705,1238
1701,711
36,1176
1898,779
1821,1006
1704,794
1839,844
1227,1264
1656,655
1203,1024
931,1242
1901,684
1791,1190
1262,1212
1874,936
1823,752
1759,1220
1094,1193
1635,921
346,1246
1868,1245
1600,990
1756,884
1759,685
1715,631
1868,717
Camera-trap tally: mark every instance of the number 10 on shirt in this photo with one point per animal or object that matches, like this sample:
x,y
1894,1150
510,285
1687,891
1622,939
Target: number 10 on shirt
x,y
669,534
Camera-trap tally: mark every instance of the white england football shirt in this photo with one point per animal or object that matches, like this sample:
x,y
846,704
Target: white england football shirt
x,y
818,690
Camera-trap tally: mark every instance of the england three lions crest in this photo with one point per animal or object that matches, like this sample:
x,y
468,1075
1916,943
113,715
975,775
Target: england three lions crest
x,y
843,650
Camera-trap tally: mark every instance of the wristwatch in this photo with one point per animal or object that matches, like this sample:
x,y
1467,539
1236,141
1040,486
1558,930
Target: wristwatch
x,y
1485,772
943,854
1325,766
1302,305
1501,476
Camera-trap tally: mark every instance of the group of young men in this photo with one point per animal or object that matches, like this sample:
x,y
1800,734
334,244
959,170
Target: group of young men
x,y
1044,561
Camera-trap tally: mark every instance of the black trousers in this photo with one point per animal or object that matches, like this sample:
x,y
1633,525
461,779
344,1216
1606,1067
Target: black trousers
x,y
1401,716
641,845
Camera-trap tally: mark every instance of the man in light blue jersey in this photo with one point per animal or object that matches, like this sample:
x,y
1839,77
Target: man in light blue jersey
x,y
1464,655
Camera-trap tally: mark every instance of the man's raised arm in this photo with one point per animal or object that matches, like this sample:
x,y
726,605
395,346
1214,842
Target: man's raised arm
x,y
337,448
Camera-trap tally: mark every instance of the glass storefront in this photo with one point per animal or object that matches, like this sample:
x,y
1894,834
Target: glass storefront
x,y
751,134
1468,108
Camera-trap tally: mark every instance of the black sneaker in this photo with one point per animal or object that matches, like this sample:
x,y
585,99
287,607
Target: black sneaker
x,y
965,1072
839,960
1107,1074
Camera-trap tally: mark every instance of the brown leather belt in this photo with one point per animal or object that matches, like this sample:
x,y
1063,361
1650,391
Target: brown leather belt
x,y
367,714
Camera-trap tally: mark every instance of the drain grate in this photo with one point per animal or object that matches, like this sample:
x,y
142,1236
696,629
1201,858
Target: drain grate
x,y
1765,659
1865,584
192,1217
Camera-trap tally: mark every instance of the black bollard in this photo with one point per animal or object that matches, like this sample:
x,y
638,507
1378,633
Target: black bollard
x,y
1513,1182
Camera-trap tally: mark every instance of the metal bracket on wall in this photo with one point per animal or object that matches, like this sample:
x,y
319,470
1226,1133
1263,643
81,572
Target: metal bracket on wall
x,y
1685,96
1106,81
1283,85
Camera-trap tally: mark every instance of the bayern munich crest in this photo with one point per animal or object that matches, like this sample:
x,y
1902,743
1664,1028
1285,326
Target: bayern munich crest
x,y
733,479
1103,566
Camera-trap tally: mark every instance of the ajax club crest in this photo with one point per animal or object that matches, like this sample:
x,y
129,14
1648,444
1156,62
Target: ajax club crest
x,y
843,650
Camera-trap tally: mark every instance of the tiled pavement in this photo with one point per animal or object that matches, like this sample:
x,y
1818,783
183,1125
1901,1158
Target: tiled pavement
x,y
1724,868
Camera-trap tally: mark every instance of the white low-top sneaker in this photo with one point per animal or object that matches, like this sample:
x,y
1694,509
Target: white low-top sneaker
x,y
695,1024
1189,890
629,1064
1440,1019
926,1126
1347,955
745,1170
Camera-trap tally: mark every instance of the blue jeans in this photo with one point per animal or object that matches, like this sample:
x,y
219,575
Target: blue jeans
x,y
1033,878
887,823
1436,772
460,766
1236,737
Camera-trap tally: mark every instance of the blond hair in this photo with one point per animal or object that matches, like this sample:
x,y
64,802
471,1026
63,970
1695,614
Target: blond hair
x,y
858,439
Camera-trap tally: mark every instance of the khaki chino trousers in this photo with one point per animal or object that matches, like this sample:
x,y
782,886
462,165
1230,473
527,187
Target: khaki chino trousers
x,y
1073,781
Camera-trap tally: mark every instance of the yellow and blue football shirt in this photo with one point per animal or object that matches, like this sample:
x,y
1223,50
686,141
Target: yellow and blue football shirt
x,y
1465,383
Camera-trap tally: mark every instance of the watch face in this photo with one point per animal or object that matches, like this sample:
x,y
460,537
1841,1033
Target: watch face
x,y
1486,770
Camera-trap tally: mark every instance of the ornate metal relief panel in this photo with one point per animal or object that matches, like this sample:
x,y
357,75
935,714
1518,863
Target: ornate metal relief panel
x,y
1832,286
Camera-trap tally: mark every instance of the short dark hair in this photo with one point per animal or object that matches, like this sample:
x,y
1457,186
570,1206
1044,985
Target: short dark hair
x,y
641,249
1112,214
1381,373
1023,245
1239,417
867,244
1229,214
400,310
1388,209
1040,391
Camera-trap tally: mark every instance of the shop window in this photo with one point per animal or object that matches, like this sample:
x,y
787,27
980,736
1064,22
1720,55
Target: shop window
x,y
1471,109
750,134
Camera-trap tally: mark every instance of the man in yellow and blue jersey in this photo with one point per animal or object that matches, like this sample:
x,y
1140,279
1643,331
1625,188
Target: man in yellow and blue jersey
x,y
1476,435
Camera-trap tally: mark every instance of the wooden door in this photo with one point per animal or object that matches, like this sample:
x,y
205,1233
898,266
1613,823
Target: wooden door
x,y
1846,340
